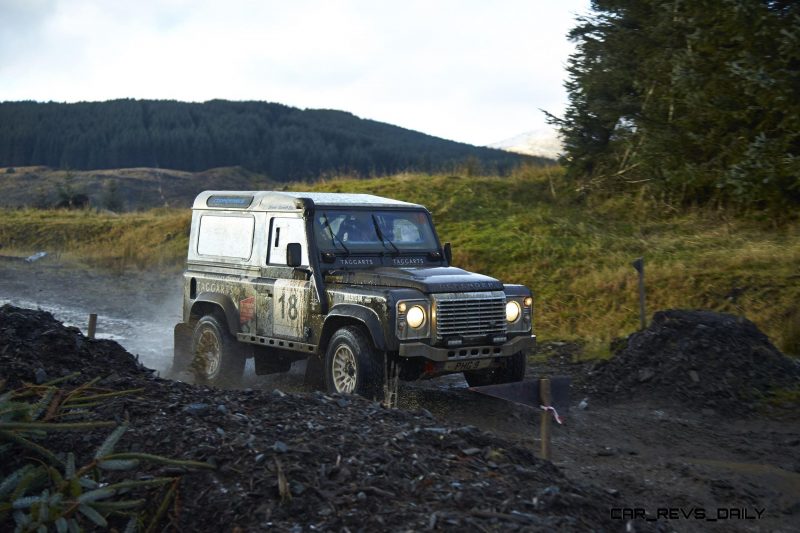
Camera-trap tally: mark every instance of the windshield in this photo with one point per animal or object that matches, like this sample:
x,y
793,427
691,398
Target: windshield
x,y
355,231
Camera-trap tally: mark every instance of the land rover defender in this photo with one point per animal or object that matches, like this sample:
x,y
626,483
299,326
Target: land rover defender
x,y
351,282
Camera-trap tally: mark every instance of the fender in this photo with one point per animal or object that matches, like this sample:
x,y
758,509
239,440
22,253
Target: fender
x,y
364,315
225,303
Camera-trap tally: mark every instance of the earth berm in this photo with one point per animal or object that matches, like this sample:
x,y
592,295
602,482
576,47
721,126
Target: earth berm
x,y
299,462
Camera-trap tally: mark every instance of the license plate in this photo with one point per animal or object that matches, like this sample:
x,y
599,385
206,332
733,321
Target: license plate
x,y
460,366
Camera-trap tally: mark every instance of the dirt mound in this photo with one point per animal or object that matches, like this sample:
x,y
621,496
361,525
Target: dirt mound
x,y
701,358
35,348
300,462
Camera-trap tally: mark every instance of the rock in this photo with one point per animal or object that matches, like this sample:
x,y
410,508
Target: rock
x,y
297,488
40,376
197,409
583,404
694,376
280,447
490,454
646,374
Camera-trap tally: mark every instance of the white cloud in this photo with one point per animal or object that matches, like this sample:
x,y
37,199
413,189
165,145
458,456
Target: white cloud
x,y
465,70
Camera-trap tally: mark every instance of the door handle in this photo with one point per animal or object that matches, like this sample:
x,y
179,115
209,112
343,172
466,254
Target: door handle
x,y
263,290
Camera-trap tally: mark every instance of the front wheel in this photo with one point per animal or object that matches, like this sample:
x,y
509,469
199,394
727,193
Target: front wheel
x,y
216,358
513,370
352,365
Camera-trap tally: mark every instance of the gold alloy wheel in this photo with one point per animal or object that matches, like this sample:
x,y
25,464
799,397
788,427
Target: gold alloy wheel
x,y
209,352
343,369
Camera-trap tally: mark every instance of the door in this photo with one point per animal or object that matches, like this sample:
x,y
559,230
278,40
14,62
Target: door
x,y
288,303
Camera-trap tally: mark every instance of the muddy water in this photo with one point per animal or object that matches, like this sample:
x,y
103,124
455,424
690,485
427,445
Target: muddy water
x,y
138,310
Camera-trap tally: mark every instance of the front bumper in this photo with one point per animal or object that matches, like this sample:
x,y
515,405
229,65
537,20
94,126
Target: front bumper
x,y
418,349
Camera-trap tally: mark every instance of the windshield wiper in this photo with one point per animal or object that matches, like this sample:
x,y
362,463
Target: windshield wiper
x,y
334,238
380,234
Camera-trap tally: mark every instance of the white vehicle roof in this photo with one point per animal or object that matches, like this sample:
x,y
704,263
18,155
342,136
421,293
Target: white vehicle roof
x,y
289,200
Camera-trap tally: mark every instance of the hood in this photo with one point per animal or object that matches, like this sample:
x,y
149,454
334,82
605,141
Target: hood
x,y
428,280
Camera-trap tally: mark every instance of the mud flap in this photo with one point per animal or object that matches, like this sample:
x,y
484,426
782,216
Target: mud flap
x,y
182,350
527,392
314,378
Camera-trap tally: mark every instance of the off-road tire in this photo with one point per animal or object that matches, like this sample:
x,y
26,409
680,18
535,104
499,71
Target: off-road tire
x,y
216,357
512,371
353,365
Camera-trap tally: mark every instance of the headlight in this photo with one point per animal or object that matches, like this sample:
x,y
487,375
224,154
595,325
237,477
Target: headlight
x,y
415,317
512,311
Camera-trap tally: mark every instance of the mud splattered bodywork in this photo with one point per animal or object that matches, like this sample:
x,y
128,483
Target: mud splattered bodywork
x,y
287,272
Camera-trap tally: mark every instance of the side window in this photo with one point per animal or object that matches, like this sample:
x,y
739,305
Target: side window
x,y
226,236
282,232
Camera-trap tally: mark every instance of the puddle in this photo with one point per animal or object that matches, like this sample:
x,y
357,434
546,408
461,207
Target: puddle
x,y
782,481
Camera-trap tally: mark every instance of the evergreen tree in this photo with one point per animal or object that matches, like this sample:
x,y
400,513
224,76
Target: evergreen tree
x,y
701,99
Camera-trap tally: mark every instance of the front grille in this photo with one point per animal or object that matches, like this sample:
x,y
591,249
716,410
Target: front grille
x,y
473,316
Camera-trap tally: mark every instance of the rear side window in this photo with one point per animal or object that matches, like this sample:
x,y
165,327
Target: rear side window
x,y
226,236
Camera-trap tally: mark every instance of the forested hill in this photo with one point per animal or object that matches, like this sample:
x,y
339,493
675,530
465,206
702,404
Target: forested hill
x,y
282,142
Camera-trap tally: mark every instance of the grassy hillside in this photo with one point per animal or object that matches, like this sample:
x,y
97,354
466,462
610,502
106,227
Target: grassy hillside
x,y
120,190
523,229
152,239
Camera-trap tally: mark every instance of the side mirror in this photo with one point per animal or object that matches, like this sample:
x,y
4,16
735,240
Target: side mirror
x,y
294,254
448,253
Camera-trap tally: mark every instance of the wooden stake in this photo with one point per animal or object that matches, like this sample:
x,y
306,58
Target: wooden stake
x,y
92,325
638,264
544,396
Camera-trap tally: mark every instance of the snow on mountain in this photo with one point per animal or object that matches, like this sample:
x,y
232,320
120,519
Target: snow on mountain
x,y
542,142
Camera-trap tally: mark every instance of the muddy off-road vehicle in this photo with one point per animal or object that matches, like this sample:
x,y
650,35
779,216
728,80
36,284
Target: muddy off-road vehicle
x,y
354,283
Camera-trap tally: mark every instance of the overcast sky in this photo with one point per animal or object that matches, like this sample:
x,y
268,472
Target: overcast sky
x,y
472,71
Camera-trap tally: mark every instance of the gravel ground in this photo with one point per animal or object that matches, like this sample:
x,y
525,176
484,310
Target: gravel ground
x,y
299,462
653,445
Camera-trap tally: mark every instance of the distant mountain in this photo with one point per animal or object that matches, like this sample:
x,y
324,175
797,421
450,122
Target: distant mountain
x,y
539,143
280,142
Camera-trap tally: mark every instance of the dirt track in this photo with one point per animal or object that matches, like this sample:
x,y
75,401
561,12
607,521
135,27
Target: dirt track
x,y
639,455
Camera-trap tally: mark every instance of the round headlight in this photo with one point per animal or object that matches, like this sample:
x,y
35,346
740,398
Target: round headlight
x,y
415,317
512,311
